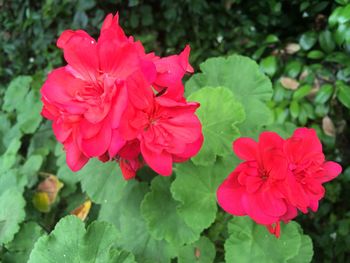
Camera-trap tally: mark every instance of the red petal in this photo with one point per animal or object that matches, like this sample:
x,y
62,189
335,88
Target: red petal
x,y
159,162
80,52
74,157
332,170
229,197
245,148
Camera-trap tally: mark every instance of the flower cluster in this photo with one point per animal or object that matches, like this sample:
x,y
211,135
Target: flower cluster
x,y
277,178
114,101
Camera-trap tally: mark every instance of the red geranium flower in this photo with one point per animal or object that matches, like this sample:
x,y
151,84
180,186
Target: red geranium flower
x,y
309,170
168,130
87,98
277,178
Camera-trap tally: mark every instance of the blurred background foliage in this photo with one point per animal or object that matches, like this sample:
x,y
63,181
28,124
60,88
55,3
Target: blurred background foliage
x,y
302,45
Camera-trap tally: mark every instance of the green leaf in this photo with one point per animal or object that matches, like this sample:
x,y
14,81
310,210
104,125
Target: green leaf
x,y
344,15
342,2
23,243
16,93
269,65
249,242
201,251
315,54
294,109
134,236
302,92
26,102
30,168
305,252
195,188
11,213
342,33
343,94
102,181
308,40
326,41
334,17
244,78
270,39
324,94
293,68
219,132
160,212
70,242
8,159
29,117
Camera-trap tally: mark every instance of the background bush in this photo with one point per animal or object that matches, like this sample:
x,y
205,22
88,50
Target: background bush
x,y
303,46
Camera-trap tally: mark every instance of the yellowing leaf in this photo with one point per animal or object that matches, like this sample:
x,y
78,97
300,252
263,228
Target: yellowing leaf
x,y
82,211
328,126
292,48
289,83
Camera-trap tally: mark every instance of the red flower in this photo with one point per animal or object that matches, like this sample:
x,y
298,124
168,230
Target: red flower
x,y
87,98
168,130
277,178
309,170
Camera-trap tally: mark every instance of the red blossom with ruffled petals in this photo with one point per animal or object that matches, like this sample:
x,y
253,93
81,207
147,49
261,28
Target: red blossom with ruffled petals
x,y
102,80
168,130
277,178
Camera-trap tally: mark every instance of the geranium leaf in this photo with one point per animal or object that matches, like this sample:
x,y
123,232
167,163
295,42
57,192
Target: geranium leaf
x,y
195,188
163,221
306,250
250,242
16,93
134,236
243,77
20,247
219,113
201,251
11,213
70,242
102,181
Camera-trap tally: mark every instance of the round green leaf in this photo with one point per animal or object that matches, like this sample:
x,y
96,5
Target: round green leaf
x,y
134,235
70,242
19,248
160,212
219,132
102,181
305,252
11,213
201,251
243,77
195,188
249,242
